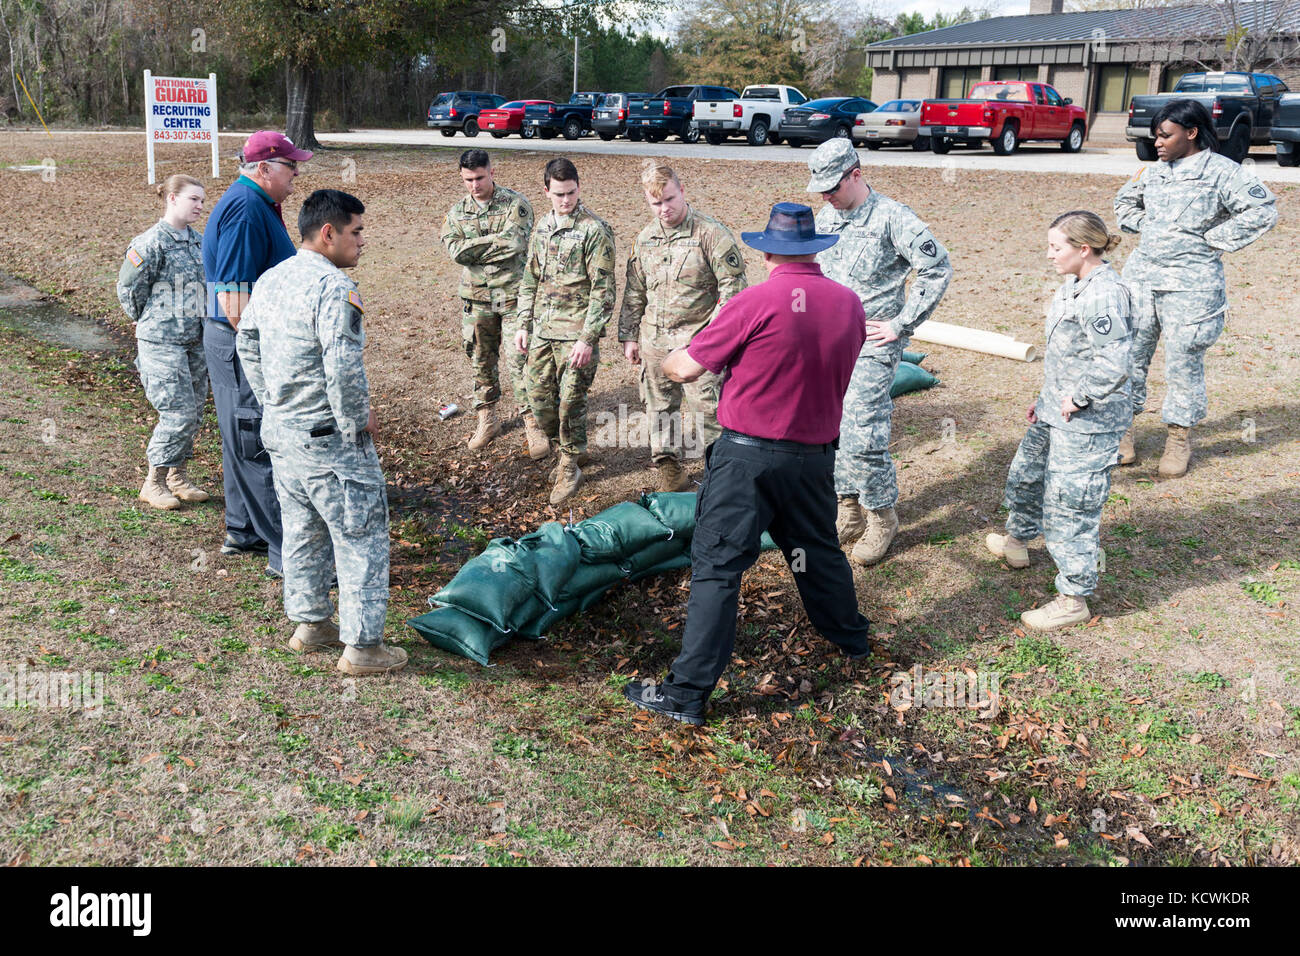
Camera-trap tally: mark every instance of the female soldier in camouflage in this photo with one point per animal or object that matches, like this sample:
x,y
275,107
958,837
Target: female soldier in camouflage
x,y
1060,477
161,287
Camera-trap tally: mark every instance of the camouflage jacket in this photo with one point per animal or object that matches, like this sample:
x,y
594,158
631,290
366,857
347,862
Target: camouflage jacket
x,y
161,284
490,242
567,291
881,242
300,340
1089,333
677,278
1188,213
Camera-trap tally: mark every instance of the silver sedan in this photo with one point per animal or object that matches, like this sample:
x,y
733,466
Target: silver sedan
x,y
893,124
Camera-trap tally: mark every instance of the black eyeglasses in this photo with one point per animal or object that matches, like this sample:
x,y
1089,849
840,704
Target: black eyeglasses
x,y
292,165
839,185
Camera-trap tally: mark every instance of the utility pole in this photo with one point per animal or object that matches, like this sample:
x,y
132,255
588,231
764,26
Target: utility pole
x,y
575,63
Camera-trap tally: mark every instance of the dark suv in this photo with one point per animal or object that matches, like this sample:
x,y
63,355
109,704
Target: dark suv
x,y
459,111
610,118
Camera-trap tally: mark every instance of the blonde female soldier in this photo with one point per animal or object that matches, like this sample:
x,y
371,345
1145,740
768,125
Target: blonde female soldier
x,y
161,287
1060,477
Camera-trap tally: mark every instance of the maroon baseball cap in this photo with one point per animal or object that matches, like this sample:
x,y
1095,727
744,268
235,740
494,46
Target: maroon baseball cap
x,y
268,144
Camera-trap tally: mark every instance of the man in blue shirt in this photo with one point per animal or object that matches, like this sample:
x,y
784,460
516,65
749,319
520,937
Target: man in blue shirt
x,y
245,236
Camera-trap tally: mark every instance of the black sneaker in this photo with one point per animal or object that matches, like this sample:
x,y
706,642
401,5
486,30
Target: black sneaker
x,y
231,546
272,573
648,695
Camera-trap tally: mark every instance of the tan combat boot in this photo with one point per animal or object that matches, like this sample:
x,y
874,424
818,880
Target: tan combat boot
x,y
488,428
1127,450
155,490
672,476
1178,452
882,525
179,485
1064,611
568,477
584,460
850,522
311,636
379,659
1011,550
539,446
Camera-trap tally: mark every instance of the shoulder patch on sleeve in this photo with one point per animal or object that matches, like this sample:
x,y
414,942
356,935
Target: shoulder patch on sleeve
x,y
1103,325
134,258
1258,192
354,299
733,259
523,211
930,248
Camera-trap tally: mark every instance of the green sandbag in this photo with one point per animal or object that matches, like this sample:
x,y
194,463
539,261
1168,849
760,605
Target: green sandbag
x,y
676,509
588,578
593,597
618,532
911,378
498,586
683,560
542,624
658,553
458,633
556,554
916,358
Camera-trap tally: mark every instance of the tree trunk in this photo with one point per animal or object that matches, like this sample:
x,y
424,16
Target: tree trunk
x,y
300,111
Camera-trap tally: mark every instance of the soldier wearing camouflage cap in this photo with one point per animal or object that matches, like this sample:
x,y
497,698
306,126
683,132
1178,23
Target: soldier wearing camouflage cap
x,y
1189,209
487,232
881,243
1060,477
683,266
566,299
161,288
300,340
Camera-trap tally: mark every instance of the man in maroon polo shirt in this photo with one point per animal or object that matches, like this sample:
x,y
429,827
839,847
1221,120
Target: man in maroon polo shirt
x,y
787,347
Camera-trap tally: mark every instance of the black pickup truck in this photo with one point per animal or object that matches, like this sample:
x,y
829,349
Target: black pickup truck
x,y
572,118
1241,105
1285,134
671,112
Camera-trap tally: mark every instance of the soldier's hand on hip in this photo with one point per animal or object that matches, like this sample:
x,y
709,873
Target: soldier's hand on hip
x,y
633,352
372,424
580,355
521,340
1068,408
1032,416
880,332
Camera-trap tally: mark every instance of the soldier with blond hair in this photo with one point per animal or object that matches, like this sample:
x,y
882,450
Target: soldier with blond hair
x,y
683,266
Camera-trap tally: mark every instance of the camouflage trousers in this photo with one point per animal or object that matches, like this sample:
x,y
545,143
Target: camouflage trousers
x,y
557,392
175,379
1057,485
666,421
484,327
863,466
1192,320
334,511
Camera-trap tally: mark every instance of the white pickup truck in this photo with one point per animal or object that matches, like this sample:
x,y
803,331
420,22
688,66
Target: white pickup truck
x,y
757,114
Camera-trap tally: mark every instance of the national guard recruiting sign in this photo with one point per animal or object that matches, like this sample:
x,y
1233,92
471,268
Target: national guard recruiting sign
x,y
180,110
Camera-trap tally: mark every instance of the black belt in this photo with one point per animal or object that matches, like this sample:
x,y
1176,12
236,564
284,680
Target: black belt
x,y
322,431
777,444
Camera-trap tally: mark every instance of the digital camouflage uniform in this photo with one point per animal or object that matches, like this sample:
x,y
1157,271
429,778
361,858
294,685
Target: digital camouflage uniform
x,y
161,288
300,341
1188,213
566,296
1060,477
491,242
676,280
881,242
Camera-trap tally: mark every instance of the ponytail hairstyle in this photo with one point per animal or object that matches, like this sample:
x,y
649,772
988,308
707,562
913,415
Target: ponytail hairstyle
x,y
175,183
1083,228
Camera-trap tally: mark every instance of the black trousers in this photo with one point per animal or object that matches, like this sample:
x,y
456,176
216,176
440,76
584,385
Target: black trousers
x,y
784,488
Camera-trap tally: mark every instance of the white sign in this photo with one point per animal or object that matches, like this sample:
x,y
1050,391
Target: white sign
x,y
180,110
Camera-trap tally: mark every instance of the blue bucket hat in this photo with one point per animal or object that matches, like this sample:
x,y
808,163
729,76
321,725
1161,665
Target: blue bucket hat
x,y
790,232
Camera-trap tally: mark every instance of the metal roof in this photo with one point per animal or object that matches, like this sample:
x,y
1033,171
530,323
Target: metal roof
x,y
1150,23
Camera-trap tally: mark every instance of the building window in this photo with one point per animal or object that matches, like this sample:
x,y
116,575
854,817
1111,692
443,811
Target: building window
x,y
955,81
1117,84
1026,73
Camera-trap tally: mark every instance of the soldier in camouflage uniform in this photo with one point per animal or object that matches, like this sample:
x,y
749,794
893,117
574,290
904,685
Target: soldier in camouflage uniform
x,y
161,288
566,298
1189,209
300,340
881,242
1060,477
487,232
683,266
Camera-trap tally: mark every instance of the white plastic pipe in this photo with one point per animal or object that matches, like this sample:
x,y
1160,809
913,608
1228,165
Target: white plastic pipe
x,y
977,340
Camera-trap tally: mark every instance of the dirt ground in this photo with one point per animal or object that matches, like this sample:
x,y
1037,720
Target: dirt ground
x,y
1174,714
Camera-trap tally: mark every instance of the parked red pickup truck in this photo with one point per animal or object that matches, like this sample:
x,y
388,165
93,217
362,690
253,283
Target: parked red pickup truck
x,y
1005,112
